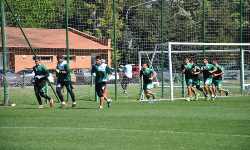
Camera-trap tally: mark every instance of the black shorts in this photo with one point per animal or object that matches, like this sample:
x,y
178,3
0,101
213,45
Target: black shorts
x,y
61,84
99,87
125,80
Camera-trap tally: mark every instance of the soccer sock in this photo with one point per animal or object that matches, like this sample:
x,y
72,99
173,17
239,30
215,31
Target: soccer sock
x,y
39,100
200,89
45,96
194,91
59,93
71,93
38,97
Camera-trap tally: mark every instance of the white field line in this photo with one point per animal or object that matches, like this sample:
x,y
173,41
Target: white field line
x,y
130,130
201,98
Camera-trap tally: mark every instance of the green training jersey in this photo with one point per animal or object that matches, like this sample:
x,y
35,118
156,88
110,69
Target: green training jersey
x,y
41,70
219,69
195,69
188,71
59,72
147,74
102,71
207,70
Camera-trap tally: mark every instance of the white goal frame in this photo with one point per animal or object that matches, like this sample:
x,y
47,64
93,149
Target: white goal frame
x,y
170,51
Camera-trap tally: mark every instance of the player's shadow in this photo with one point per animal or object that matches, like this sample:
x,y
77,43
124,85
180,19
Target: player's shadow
x,y
33,108
88,100
85,108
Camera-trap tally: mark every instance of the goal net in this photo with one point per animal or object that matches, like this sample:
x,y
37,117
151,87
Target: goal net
x,y
233,57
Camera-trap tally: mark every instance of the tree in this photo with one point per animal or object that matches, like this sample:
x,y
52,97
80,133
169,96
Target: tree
x,y
36,13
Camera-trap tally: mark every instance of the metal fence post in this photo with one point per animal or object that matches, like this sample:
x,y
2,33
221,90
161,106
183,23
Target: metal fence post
x,y
4,52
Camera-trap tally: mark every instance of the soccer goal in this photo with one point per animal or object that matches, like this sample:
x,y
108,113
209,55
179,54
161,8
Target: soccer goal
x,y
233,57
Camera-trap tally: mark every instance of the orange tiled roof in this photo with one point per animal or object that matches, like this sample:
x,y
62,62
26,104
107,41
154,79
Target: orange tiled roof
x,y
53,38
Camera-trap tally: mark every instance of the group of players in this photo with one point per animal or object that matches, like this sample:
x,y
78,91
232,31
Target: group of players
x,y
212,79
63,75
147,74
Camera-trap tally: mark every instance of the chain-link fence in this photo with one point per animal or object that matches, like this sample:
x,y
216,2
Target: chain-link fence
x,y
139,26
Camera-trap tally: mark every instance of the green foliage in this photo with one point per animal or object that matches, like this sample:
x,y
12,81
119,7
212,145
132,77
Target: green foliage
x,y
141,30
36,13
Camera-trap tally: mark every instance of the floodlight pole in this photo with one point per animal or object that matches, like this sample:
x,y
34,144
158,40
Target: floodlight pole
x,y
4,53
126,17
140,4
67,35
67,30
162,54
114,46
242,85
204,25
26,39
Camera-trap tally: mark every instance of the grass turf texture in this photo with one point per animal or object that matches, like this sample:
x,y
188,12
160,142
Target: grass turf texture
x,y
128,125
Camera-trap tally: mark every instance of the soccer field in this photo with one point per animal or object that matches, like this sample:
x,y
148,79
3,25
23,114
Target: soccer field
x,y
127,125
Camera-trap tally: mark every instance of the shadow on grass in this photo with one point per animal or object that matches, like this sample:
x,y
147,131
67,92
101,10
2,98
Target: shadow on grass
x,y
58,108
85,108
89,100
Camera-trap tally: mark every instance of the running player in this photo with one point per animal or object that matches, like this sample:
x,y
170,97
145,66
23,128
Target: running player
x,y
41,83
148,75
208,69
218,78
187,71
64,79
126,77
102,71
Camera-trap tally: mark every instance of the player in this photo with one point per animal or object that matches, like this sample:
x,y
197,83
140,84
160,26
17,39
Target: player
x,y
102,71
217,79
187,71
208,69
196,81
64,79
148,75
41,83
103,63
127,76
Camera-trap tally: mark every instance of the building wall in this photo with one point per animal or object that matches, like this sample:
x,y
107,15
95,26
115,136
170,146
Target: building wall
x,y
21,58
26,61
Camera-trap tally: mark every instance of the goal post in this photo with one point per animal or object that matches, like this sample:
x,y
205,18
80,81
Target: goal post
x,y
233,57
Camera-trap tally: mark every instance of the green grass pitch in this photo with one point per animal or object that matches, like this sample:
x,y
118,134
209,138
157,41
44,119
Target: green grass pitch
x,y
127,125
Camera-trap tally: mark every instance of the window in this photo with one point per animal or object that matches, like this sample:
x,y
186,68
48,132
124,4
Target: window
x,y
71,57
46,58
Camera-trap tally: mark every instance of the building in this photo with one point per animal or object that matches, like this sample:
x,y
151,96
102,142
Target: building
x,y
49,42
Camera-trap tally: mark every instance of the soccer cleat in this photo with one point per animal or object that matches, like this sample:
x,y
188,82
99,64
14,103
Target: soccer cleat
x,y
153,96
109,102
51,103
13,105
100,107
207,98
212,97
192,98
40,107
125,92
74,104
63,104
197,95
227,93
187,99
